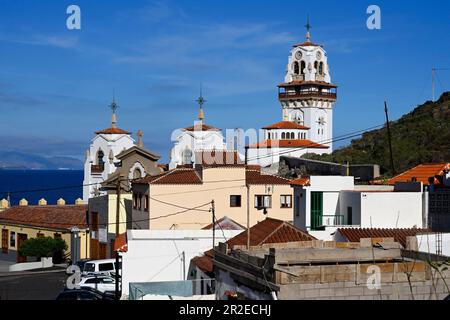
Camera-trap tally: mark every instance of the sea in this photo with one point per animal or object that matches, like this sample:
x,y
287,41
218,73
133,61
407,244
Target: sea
x,y
34,185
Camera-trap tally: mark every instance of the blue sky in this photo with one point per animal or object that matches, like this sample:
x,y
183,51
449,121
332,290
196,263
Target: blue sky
x,y
56,84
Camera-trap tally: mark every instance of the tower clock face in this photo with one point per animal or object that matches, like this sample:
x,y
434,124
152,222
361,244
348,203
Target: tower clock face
x,y
298,55
319,55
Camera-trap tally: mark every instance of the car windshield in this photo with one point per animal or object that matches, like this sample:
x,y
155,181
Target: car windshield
x,y
89,267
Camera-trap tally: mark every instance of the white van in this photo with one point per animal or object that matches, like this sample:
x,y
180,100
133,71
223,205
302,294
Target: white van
x,y
104,267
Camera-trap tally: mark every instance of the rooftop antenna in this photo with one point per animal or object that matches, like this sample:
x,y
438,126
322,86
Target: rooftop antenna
x,y
433,81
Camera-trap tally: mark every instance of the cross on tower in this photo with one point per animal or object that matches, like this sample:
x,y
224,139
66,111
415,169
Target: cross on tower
x,y
308,29
201,101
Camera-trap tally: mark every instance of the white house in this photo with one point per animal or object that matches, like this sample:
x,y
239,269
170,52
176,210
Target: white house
x,y
324,203
164,255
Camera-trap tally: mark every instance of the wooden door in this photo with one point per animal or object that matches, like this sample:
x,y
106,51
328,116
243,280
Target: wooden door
x,y
5,233
102,250
21,238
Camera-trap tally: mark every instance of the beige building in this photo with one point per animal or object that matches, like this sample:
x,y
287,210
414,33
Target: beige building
x,y
164,201
24,222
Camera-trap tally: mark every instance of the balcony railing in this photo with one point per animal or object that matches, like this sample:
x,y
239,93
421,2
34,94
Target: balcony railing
x,y
97,168
320,222
300,95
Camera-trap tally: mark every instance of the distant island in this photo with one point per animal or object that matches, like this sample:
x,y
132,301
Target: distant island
x,y
14,160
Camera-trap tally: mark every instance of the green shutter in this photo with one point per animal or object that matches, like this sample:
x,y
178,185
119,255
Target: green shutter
x,y
316,210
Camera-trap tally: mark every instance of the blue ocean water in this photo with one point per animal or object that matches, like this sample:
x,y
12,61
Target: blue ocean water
x,y
37,184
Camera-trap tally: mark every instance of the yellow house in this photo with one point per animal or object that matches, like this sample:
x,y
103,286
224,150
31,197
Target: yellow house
x,y
24,222
182,198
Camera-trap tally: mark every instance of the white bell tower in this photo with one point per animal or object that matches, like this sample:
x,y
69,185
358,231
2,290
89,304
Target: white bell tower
x,y
307,96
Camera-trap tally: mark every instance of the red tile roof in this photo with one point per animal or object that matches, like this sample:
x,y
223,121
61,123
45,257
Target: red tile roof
x,y
399,235
46,217
113,131
268,144
121,243
265,232
225,223
212,158
174,176
201,127
306,44
422,173
254,177
301,182
286,125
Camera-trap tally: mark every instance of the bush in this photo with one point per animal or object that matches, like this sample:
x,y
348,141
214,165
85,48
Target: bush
x,y
44,247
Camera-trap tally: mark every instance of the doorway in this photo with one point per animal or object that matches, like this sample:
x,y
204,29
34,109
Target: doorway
x,y
21,238
5,233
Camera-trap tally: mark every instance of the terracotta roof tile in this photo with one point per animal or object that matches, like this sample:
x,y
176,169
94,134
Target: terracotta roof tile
x,y
51,217
300,182
286,125
265,232
113,131
174,176
201,127
268,144
422,173
307,44
399,235
256,177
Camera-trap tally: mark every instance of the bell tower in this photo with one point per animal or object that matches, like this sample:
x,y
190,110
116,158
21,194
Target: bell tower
x,y
307,95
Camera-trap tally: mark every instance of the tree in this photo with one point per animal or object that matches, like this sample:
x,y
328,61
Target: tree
x,y
43,247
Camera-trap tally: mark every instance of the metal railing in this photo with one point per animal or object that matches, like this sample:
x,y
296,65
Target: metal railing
x,y
322,221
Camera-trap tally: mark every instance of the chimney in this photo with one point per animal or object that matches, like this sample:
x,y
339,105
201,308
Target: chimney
x,y
79,202
23,203
42,202
61,202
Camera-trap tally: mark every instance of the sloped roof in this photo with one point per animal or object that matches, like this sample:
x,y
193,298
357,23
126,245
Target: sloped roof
x,y
201,127
46,217
146,153
422,173
286,125
213,158
265,232
112,131
225,223
399,235
305,181
299,143
174,176
254,177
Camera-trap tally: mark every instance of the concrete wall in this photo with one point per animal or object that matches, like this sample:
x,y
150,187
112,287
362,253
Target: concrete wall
x,y
43,264
155,255
427,243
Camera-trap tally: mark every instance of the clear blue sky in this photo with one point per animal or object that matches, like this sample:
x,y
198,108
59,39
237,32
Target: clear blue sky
x,y
56,84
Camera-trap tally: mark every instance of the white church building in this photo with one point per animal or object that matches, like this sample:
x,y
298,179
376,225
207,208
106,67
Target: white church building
x,y
197,139
307,97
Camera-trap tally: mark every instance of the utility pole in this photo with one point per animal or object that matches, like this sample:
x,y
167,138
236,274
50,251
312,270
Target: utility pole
x,y
248,201
117,277
213,210
183,256
389,138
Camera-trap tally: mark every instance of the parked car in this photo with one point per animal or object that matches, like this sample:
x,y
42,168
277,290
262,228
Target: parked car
x,y
83,294
100,283
80,264
101,267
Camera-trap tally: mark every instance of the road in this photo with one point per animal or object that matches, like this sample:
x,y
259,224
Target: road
x,y
32,286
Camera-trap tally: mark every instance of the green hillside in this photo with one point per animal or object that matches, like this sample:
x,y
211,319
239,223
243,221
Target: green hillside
x,y
422,136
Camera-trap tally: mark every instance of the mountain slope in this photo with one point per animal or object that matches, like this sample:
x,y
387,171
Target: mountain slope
x,y
421,136
22,160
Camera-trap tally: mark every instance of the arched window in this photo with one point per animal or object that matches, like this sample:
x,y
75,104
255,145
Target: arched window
x,y
302,67
137,174
100,156
299,135
321,68
316,66
187,156
296,68
292,135
268,136
283,136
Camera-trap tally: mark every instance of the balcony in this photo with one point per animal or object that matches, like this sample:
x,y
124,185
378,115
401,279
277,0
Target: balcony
x,y
320,222
307,94
97,168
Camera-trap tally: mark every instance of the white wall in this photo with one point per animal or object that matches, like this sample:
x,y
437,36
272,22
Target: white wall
x,y
155,255
427,243
384,209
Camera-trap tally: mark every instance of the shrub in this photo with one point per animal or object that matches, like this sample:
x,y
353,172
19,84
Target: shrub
x,y
42,247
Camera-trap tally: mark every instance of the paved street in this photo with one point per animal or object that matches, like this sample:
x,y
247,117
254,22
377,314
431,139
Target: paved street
x,y
4,266
32,286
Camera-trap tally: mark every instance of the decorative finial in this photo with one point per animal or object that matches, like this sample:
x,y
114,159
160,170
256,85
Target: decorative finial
x,y
114,106
140,134
201,101
308,28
